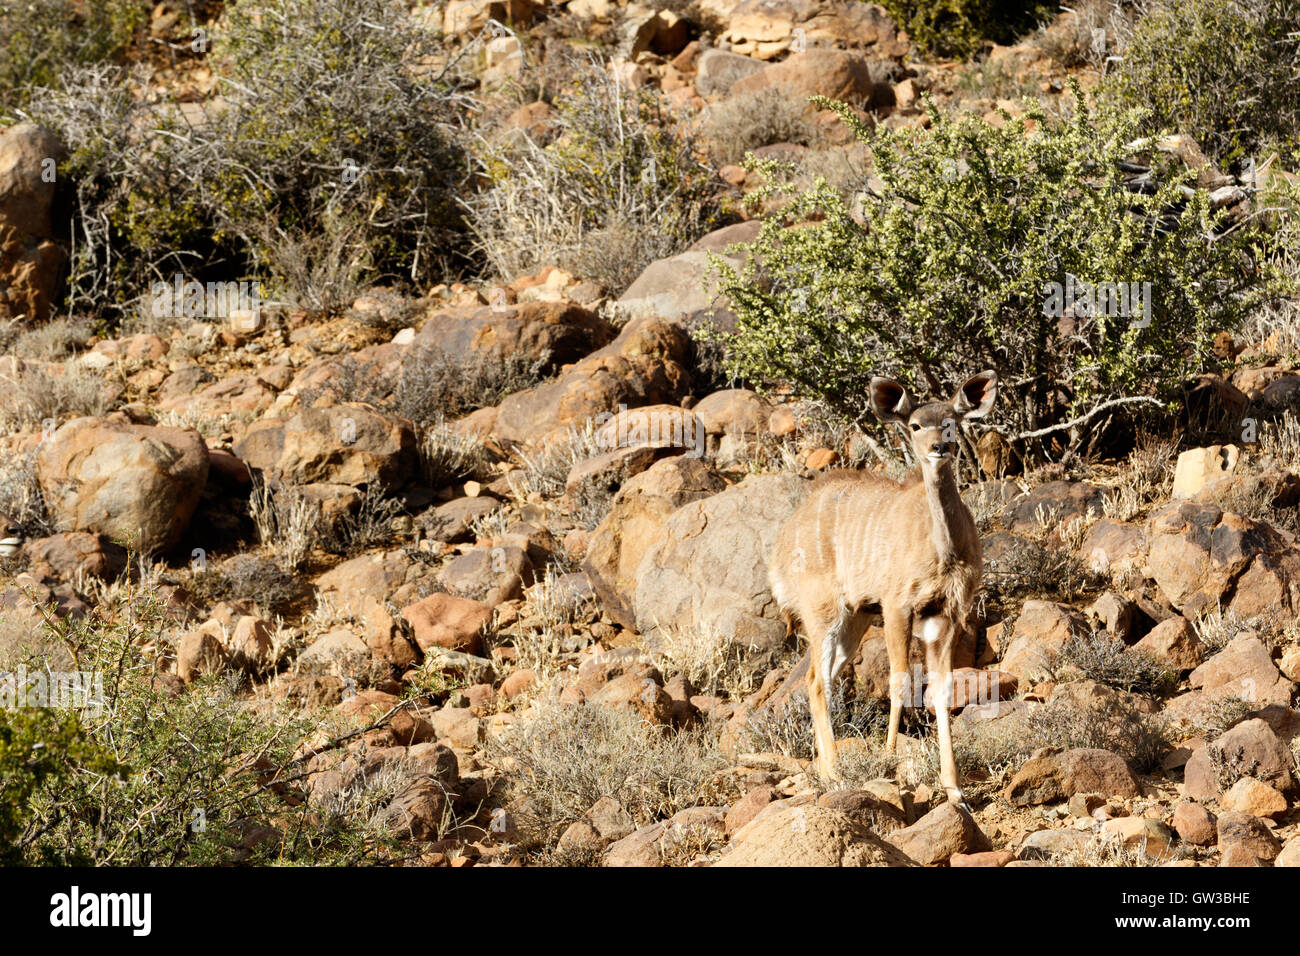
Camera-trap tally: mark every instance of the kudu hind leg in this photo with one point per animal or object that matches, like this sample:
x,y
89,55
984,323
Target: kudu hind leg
x,y
826,656
898,640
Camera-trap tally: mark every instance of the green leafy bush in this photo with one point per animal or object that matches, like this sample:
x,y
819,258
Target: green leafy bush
x,y
944,269
39,39
958,27
147,778
41,751
1224,71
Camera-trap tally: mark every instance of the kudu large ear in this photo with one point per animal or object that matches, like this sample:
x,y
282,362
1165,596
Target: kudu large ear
x,y
976,397
889,400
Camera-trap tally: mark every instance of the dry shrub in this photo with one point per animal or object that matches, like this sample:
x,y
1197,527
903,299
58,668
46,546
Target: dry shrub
x,y
549,635
52,340
1106,659
361,185
448,455
993,749
287,521
617,188
787,728
1091,31
247,577
369,525
713,662
430,384
746,121
21,498
1219,716
567,758
1217,629
1040,569
545,471
1111,722
36,396
1103,850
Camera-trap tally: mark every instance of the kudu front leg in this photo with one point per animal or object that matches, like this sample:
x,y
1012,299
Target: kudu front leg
x,y
941,637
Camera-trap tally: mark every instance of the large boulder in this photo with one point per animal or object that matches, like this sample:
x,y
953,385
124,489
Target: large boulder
x,y
1052,505
635,523
646,365
784,835
768,28
1243,669
944,831
136,484
551,333
1198,468
677,287
1078,771
1204,559
349,444
391,577
1041,630
716,71
707,575
32,265
734,419
1113,546
833,73
1250,748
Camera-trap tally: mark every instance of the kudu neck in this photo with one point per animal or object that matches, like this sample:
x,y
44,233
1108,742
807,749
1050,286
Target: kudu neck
x,y
947,511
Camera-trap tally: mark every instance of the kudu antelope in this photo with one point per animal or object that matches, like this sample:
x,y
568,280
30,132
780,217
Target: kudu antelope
x,y
910,548
12,536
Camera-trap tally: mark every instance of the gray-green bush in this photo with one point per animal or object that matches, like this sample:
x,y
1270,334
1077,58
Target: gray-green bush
x,y
945,269
327,161
1223,71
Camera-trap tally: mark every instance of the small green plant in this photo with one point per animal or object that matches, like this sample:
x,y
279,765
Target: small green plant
x,y
144,777
41,750
958,260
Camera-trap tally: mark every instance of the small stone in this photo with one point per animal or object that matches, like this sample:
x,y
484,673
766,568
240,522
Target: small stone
x,y
518,683
1252,796
986,858
1195,824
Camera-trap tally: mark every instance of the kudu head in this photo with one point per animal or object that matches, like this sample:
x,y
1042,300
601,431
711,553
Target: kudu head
x,y
932,426
12,536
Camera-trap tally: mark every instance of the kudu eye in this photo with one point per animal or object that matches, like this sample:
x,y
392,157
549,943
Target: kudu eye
x,y
915,427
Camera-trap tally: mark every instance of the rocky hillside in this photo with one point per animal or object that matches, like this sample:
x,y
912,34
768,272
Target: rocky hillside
x,y
443,540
